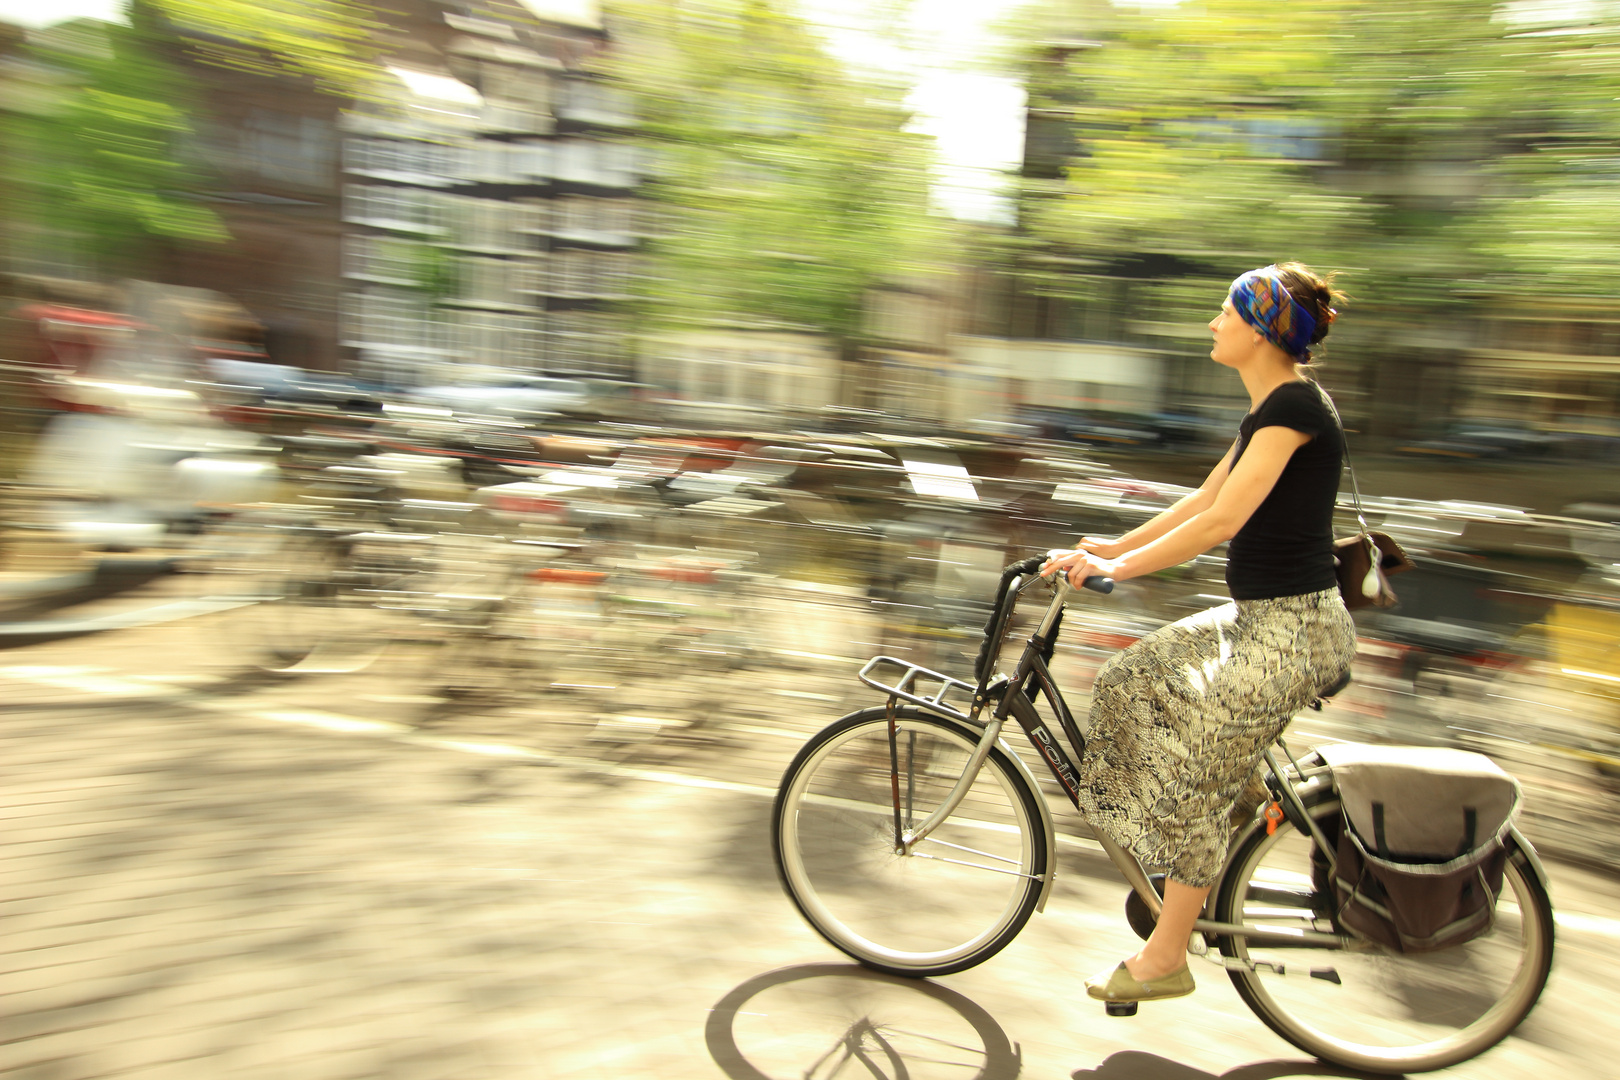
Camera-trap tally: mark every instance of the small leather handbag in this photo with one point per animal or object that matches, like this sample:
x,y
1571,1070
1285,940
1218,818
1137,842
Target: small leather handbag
x,y
1363,563
1365,560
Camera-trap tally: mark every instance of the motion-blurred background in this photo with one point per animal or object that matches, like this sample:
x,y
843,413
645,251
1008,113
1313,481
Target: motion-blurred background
x,y
584,342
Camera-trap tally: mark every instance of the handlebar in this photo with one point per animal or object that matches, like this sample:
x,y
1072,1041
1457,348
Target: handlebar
x,y
1095,583
1007,596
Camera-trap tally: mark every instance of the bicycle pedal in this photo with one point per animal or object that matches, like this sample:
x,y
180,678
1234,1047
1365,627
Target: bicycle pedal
x,y
1121,1008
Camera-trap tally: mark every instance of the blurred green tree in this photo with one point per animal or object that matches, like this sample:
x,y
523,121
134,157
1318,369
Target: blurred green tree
x,y
786,187
1444,152
93,150
95,138
331,42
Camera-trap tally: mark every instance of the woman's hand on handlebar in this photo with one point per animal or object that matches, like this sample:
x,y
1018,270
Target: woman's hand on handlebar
x,y
1078,565
1097,545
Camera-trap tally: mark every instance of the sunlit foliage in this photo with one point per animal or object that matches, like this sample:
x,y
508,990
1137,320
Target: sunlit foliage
x,y
331,42
100,117
94,155
787,187
1445,151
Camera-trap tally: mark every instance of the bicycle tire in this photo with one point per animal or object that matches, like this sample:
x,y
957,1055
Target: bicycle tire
x,y
1393,1012
916,915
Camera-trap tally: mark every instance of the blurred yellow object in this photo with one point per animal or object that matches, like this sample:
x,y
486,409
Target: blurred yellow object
x,y
1584,645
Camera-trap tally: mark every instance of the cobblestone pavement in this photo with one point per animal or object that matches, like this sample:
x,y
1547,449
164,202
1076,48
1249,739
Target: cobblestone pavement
x,y
206,876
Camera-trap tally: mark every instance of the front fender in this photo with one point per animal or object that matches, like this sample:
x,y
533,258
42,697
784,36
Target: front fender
x,y
1046,818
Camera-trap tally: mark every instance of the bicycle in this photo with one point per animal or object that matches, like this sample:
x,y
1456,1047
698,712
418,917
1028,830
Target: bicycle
x,y
913,839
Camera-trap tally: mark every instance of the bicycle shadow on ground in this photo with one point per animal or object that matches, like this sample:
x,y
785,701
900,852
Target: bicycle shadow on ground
x,y
821,1019
837,1019
1138,1065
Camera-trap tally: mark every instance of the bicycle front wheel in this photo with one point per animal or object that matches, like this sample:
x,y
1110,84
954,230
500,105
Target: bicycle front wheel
x,y
960,895
1378,1011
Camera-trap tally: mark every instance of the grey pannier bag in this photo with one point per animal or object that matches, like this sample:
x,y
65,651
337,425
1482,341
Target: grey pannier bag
x,y
1422,844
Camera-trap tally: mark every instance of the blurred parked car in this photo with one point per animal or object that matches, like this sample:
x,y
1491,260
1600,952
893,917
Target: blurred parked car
x,y
252,388
1099,429
1487,440
496,392
1157,430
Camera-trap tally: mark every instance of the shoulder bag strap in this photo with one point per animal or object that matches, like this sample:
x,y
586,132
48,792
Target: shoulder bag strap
x,y
1344,439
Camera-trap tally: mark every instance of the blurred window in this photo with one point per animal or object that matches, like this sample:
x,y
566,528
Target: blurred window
x,y
383,259
588,161
410,160
615,274
544,342
400,209
297,150
568,338
376,318
530,162
487,281
533,216
576,273
1049,143
497,339
570,213
600,220
618,216
594,102
528,279
491,163
761,110
1282,138
515,100
590,341
756,389
485,224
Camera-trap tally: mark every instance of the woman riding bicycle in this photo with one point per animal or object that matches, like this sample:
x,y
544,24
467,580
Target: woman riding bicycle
x,y
1179,720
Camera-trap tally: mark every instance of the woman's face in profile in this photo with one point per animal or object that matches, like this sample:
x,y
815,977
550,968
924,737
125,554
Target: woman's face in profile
x,y
1233,337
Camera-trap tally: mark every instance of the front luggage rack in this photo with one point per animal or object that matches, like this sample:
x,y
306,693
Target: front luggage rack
x,y
906,686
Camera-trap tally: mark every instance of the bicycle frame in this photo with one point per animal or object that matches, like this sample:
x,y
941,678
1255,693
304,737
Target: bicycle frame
x,y
1014,697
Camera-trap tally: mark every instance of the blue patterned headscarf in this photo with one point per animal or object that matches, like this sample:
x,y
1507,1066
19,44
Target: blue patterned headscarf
x,y
1260,297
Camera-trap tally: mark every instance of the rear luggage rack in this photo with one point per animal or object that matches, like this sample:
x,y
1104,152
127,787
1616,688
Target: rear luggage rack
x,y
905,686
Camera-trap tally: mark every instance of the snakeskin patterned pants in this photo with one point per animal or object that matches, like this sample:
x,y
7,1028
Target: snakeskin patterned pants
x,y
1179,721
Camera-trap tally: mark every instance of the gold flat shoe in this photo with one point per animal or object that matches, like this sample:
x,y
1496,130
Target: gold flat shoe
x,y
1120,985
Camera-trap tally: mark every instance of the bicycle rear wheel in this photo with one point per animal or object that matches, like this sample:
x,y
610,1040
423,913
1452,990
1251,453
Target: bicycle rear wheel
x,y
962,894
1387,1012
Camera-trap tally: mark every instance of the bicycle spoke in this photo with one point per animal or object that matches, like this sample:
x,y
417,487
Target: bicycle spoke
x,y
976,866
970,851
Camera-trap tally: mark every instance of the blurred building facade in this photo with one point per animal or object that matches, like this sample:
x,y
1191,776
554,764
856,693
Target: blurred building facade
x,y
491,200
271,147
480,208
1555,365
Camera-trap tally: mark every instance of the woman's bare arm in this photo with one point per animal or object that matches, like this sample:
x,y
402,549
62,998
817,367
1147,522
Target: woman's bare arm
x,y
1194,502
1236,498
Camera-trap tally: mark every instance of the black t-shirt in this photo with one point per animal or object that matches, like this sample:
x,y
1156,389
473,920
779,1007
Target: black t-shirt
x,y
1286,546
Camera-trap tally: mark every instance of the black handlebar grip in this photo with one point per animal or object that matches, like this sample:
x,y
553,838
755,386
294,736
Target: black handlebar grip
x,y
1025,566
1104,585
